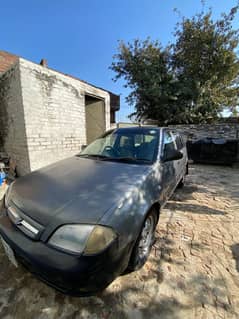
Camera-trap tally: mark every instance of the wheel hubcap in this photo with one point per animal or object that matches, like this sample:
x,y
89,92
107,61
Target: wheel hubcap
x,y
146,237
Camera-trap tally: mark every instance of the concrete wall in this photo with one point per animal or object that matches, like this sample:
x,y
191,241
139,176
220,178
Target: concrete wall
x,y
198,131
54,107
13,139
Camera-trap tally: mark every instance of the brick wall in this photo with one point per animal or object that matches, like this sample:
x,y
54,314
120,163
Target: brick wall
x,y
54,108
6,61
198,131
12,123
43,113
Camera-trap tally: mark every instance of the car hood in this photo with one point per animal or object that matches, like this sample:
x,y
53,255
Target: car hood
x,y
74,190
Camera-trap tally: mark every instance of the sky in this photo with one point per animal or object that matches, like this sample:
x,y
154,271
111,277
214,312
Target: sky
x,y
80,37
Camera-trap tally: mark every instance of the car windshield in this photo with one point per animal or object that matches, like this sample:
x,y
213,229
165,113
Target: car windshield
x,y
138,145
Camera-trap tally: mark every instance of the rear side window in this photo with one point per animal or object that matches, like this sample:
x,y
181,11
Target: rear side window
x,y
179,142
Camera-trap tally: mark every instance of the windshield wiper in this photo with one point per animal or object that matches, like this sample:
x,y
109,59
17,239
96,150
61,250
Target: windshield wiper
x,y
93,155
129,159
117,159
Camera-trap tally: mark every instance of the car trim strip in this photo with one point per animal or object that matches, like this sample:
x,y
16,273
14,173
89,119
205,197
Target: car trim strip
x,y
29,227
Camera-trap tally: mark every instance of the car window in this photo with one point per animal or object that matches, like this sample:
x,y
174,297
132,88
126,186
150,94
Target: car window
x,y
138,145
179,142
135,140
138,139
168,142
125,141
98,146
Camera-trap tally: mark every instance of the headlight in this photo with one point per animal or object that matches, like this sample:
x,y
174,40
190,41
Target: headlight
x,y
88,239
99,239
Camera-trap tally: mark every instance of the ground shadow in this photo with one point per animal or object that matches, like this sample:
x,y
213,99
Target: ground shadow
x,y
211,179
193,208
235,254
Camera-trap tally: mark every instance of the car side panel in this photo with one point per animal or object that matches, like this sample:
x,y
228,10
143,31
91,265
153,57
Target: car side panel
x,y
128,215
157,185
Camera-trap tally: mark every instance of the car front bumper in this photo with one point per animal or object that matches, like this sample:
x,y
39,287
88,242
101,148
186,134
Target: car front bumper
x,y
68,273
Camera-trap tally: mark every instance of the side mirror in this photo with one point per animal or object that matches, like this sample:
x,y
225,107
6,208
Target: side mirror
x,y
83,147
172,155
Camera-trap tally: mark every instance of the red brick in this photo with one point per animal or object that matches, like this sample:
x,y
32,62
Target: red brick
x,y
6,60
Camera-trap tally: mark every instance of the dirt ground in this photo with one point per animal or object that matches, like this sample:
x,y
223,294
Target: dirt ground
x,y
193,270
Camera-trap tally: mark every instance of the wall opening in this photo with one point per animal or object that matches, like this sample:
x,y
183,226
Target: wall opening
x,y
95,117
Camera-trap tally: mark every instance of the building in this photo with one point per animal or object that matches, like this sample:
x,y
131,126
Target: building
x,y
46,115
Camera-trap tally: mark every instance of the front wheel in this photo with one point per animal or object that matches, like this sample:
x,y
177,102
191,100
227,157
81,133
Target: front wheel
x,y
144,242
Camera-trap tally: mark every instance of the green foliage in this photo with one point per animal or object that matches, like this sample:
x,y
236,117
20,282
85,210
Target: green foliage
x,y
145,67
190,81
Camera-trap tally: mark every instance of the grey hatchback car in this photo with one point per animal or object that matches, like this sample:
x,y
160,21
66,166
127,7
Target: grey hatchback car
x,y
79,223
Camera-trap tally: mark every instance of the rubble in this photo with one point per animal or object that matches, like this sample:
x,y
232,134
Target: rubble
x,y
7,168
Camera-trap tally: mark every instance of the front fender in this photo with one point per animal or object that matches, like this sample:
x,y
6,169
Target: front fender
x,y
127,216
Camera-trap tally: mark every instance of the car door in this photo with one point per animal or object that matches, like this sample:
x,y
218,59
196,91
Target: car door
x,y
169,173
179,164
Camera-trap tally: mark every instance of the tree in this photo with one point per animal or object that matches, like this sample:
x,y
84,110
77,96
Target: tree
x,y
189,81
204,58
145,66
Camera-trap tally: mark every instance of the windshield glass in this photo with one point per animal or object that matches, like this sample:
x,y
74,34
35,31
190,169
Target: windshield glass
x,y
132,145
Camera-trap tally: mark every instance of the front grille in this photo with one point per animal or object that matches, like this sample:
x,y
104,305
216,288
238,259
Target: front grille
x,y
24,223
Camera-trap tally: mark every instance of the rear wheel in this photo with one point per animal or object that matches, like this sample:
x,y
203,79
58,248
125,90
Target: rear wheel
x,y
144,242
182,182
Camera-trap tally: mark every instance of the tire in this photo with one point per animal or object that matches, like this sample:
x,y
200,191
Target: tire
x,y
144,242
182,182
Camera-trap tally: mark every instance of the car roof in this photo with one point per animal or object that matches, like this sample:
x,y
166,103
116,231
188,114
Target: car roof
x,y
137,129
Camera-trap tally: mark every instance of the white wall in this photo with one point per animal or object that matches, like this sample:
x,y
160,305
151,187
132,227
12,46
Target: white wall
x,y
12,119
54,111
